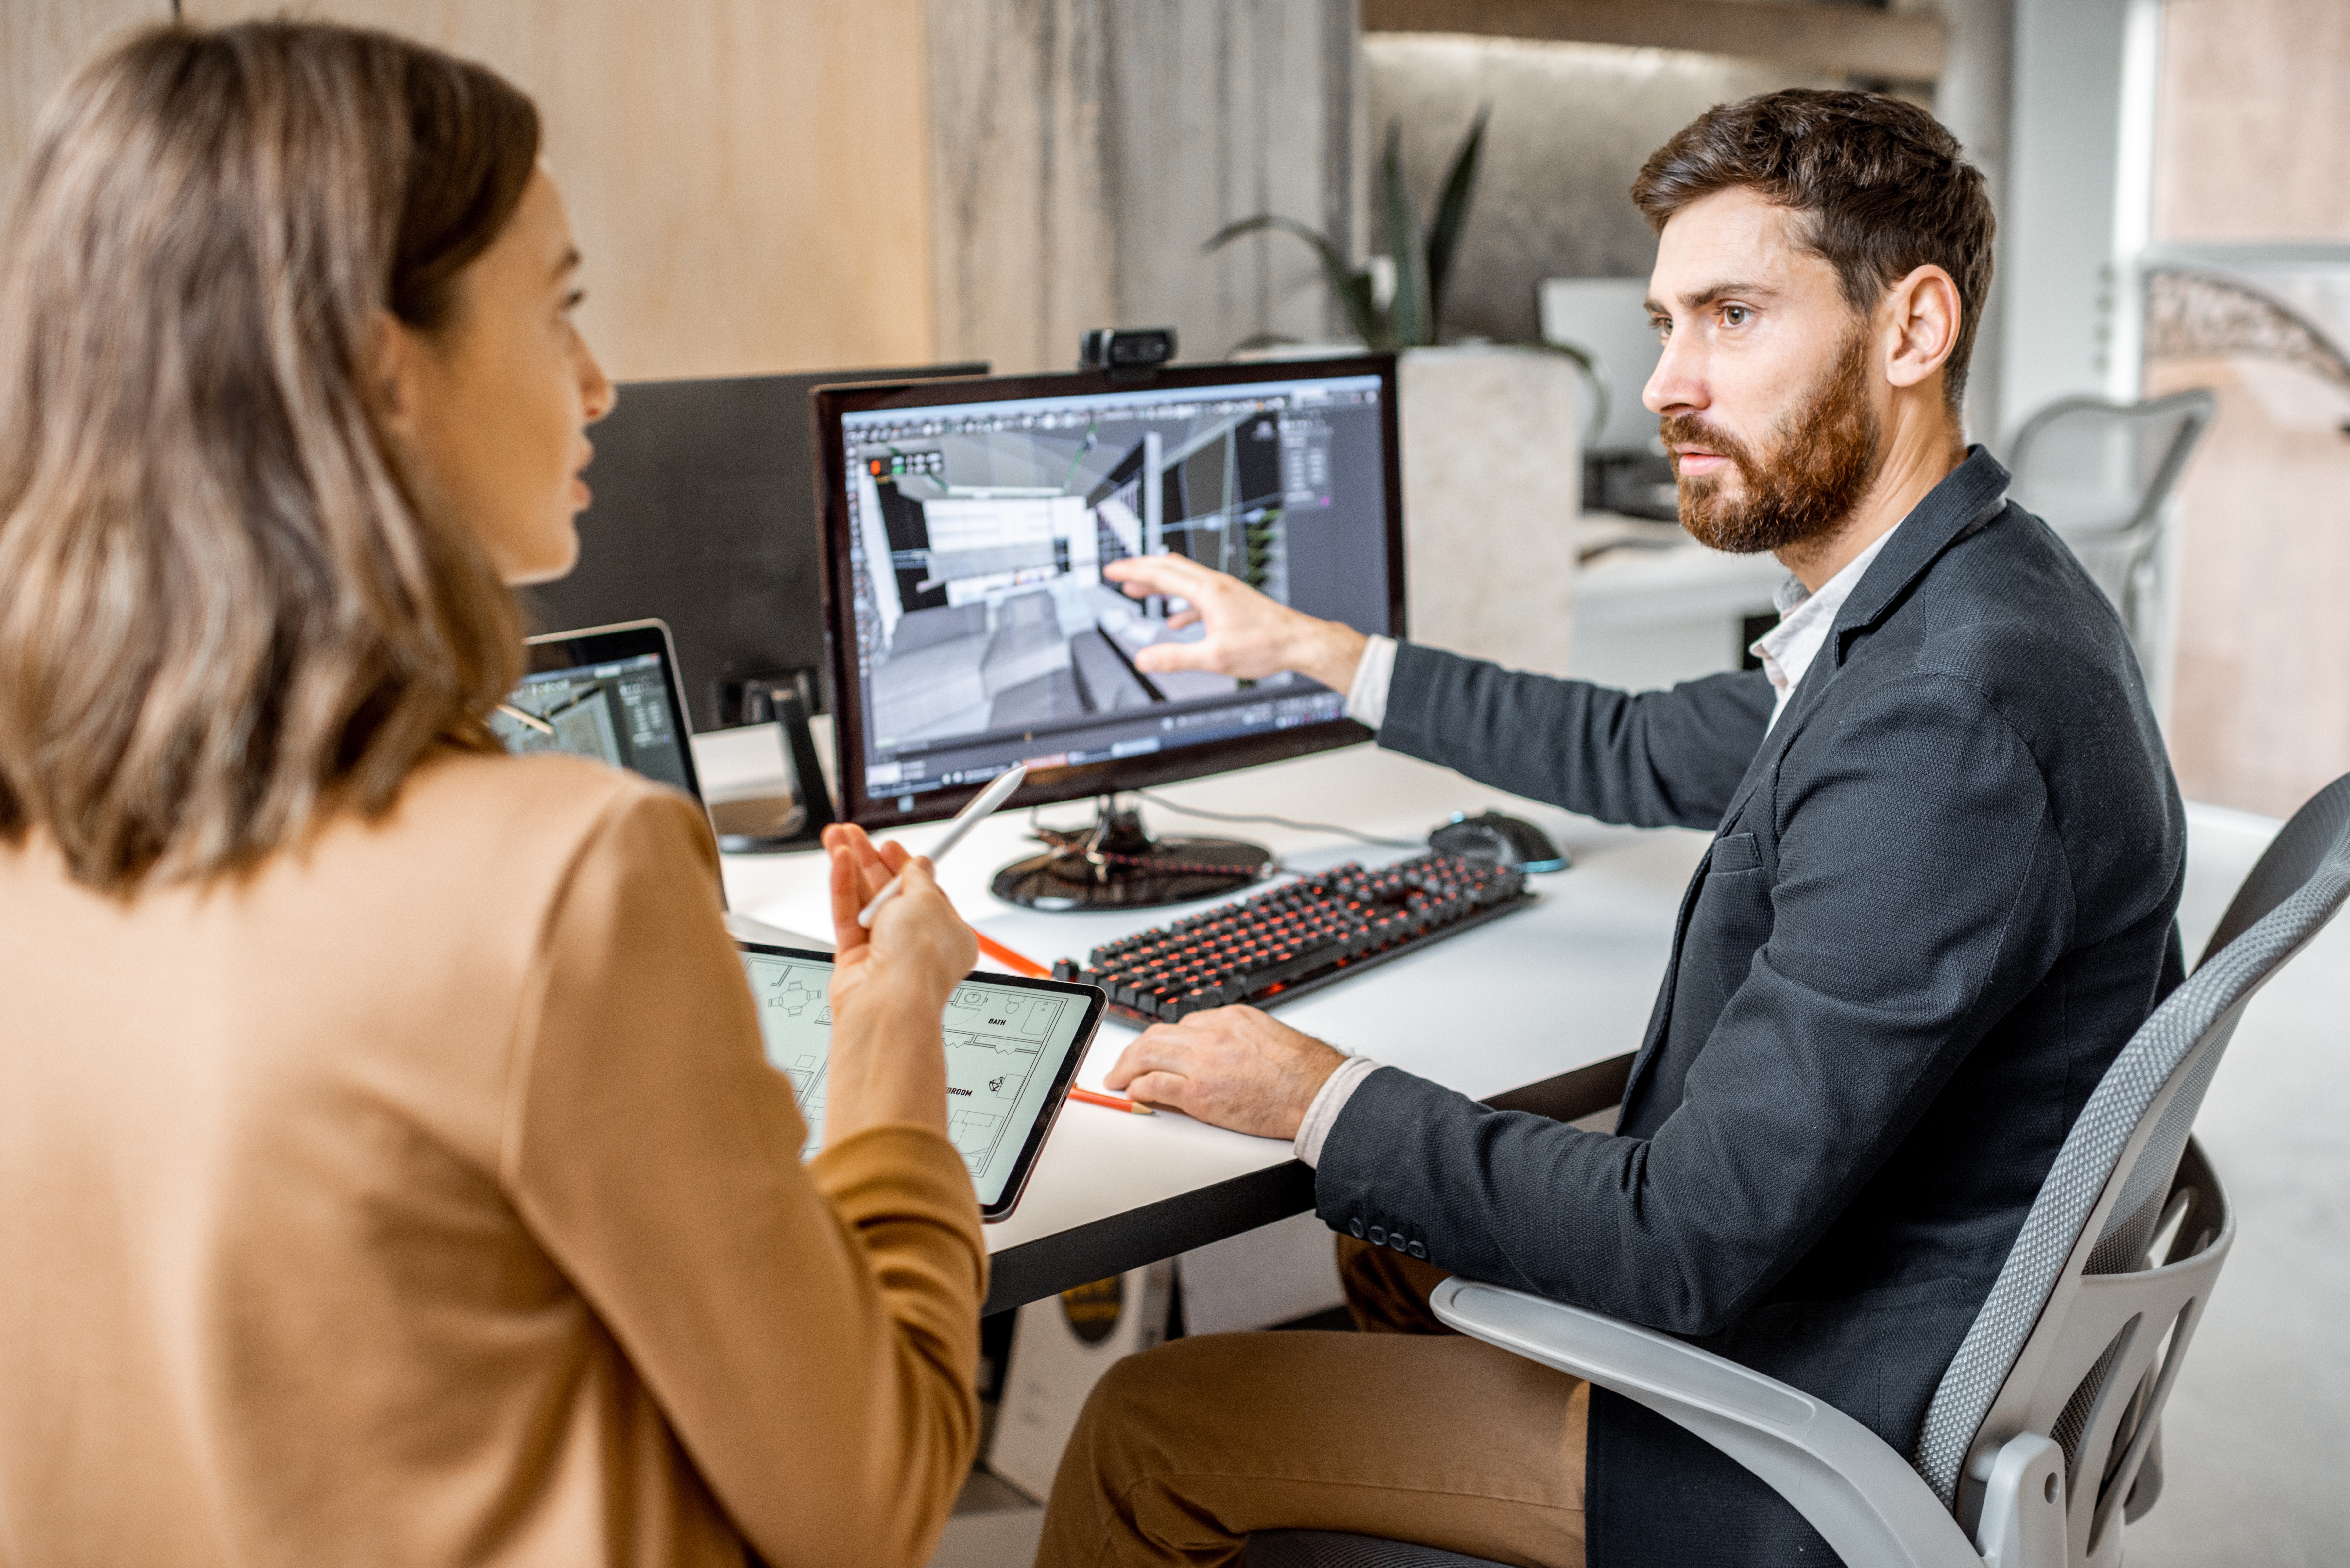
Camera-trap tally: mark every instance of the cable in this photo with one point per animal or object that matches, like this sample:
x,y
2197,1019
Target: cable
x,y
1157,799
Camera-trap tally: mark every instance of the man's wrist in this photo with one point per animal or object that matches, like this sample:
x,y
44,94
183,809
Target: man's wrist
x,y
1329,653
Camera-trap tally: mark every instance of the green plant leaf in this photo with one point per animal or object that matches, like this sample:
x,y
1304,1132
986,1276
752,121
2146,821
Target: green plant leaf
x,y
1352,287
1452,213
1412,320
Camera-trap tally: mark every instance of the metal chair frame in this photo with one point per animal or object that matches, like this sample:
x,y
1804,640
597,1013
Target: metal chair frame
x,y
2133,541
2043,1436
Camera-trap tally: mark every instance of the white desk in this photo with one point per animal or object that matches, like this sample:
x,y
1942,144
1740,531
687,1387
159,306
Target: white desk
x,y
1539,1007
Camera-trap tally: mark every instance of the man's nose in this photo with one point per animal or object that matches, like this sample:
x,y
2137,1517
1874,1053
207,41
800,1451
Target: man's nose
x,y
1675,383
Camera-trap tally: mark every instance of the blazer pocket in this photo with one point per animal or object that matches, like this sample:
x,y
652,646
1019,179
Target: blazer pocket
x,y
1735,852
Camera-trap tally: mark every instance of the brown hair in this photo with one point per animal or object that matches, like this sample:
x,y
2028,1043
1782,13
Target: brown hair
x,y
1884,189
227,605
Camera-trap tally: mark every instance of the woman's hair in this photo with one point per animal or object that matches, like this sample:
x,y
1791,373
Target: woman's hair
x,y
227,604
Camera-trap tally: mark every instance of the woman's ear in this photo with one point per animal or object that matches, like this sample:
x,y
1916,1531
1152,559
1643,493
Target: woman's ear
x,y
1925,325
395,361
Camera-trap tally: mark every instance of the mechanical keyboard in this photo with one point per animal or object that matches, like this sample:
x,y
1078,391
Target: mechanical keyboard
x,y
1298,937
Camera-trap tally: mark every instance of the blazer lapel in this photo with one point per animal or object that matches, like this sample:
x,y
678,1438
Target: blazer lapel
x,y
1970,495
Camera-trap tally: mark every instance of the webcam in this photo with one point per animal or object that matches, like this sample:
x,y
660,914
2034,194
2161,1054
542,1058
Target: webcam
x,y
1128,353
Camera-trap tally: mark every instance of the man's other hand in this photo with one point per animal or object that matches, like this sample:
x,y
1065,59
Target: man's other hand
x,y
1229,1066
1249,635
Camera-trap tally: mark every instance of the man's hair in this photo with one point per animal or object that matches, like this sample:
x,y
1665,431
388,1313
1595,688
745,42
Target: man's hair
x,y
228,603
1882,187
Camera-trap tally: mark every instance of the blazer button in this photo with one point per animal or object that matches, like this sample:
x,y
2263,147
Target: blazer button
x,y
1395,1240
1418,1251
1356,1226
1379,1237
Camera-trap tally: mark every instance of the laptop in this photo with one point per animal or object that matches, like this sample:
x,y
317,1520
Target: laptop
x,y
610,692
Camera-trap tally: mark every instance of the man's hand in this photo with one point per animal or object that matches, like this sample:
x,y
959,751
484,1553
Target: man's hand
x,y
1229,1066
1249,635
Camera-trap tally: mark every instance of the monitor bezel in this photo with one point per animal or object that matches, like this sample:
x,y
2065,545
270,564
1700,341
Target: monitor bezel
x,y
1045,786
624,639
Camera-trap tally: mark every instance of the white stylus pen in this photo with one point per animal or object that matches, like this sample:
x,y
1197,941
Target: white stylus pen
x,y
998,790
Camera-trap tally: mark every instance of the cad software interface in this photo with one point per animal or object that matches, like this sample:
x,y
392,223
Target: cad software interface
x,y
1004,1048
616,712
985,633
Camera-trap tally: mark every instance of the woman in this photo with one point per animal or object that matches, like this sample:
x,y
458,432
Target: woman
x,y
391,1170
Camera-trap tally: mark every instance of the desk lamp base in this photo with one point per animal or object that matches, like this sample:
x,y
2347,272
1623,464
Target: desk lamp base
x,y
1117,865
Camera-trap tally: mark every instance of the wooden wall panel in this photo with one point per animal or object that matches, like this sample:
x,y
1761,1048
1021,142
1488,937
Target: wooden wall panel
x,y
2253,134
749,179
41,43
2259,713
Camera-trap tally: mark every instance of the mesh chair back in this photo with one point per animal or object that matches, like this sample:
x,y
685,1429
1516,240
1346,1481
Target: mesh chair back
x,y
2107,1195
2098,473
2290,860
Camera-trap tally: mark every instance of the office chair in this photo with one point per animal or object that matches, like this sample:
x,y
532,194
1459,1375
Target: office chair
x,y
2099,473
2042,1438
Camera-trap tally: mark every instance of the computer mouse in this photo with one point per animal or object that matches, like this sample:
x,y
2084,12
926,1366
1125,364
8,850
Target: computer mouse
x,y
1504,840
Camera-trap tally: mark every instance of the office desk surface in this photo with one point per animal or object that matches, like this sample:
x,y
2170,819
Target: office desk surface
x,y
1565,985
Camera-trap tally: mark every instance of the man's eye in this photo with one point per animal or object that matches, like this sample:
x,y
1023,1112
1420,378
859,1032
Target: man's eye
x,y
1735,314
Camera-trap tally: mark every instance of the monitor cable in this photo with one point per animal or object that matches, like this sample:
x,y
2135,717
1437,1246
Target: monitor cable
x,y
1331,827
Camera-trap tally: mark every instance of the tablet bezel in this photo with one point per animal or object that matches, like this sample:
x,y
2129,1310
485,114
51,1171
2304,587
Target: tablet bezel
x,y
1065,1078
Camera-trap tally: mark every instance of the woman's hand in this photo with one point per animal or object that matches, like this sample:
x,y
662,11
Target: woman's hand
x,y
889,987
1249,635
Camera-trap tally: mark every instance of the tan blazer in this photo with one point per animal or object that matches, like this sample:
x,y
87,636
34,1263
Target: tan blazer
x,y
425,1198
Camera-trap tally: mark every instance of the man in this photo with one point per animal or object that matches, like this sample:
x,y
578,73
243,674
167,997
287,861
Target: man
x,y
1938,900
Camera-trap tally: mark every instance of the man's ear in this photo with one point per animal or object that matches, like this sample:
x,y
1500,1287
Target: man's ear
x,y
1923,323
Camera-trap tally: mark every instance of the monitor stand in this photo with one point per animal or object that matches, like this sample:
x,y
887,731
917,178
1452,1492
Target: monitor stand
x,y
1117,865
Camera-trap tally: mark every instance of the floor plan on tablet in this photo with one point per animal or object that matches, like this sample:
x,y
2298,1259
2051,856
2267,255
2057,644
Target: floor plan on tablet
x,y
996,1041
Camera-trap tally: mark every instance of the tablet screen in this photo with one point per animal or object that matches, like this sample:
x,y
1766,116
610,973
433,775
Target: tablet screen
x,y
1012,1046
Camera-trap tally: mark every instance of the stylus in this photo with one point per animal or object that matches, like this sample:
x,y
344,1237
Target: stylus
x,y
998,790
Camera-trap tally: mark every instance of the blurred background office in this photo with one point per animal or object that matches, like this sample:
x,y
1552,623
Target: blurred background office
x,y
795,185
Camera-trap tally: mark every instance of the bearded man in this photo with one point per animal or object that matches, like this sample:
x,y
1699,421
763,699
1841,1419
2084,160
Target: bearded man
x,y
1948,851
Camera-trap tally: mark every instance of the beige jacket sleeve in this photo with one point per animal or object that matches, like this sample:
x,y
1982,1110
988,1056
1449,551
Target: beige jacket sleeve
x,y
811,1334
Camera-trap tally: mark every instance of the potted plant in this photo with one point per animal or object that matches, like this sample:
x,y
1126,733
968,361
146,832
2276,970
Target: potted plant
x,y
1492,465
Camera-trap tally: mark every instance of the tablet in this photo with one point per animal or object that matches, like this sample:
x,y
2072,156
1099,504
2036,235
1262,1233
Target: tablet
x,y
1012,1049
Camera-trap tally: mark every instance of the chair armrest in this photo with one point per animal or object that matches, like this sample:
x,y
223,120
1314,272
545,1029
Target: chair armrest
x,y
1872,1507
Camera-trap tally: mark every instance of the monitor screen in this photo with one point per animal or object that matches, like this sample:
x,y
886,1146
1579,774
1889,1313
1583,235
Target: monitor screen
x,y
974,627
606,694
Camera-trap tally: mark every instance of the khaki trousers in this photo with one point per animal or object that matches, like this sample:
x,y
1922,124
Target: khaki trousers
x,y
1405,1430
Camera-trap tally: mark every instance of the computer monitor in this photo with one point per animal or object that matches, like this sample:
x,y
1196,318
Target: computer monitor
x,y
966,527
704,517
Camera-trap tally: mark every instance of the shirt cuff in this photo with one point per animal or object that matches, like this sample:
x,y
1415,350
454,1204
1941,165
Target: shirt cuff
x,y
1336,1089
1367,699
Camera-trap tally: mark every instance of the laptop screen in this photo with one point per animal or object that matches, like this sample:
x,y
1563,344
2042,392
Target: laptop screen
x,y
606,694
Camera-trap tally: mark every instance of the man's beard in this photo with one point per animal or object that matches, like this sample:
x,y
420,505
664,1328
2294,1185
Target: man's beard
x,y
1820,463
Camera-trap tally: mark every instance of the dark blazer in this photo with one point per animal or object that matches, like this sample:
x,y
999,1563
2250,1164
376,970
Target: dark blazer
x,y
1938,900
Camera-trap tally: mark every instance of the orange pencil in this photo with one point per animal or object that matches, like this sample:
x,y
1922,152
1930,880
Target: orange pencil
x,y
1018,962
1112,1101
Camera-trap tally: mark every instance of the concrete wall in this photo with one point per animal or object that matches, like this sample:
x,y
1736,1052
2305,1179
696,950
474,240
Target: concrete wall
x,y
1572,124
1085,149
